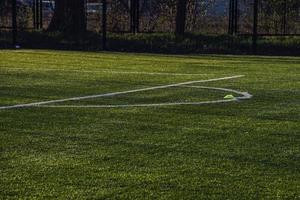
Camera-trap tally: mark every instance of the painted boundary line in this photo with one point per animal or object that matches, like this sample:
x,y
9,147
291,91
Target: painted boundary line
x,y
245,95
117,93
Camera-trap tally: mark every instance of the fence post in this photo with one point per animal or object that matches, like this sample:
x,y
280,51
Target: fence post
x,y
14,23
230,18
41,14
37,14
134,16
236,13
33,13
233,17
284,18
104,23
137,21
254,33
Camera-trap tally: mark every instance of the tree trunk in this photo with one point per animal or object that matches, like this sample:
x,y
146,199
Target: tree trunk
x,y
69,17
134,16
181,7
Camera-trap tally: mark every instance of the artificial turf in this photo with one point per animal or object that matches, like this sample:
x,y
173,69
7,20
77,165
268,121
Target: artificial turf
x,y
239,150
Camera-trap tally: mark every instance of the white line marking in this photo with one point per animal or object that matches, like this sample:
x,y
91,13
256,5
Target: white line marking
x,y
118,93
245,95
139,105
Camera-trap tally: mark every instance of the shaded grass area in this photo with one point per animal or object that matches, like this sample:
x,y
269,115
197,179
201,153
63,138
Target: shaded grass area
x,y
157,43
240,150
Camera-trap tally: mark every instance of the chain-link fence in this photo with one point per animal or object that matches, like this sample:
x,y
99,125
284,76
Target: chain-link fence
x,y
30,15
279,17
5,23
204,17
275,17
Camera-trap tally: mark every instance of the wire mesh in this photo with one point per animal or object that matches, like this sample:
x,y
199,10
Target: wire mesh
x,y
275,17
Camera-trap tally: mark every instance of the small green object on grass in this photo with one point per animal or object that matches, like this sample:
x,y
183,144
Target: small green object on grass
x,y
229,96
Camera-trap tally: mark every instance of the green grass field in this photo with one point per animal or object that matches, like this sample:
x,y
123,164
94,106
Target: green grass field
x,y
237,150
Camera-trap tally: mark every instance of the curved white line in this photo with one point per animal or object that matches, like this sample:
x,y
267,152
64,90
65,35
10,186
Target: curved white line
x,y
117,93
245,95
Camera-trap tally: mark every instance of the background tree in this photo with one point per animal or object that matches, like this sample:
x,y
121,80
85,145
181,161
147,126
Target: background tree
x,y
69,17
4,12
181,8
134,16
